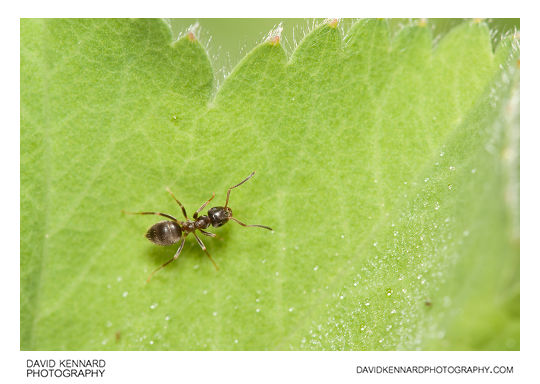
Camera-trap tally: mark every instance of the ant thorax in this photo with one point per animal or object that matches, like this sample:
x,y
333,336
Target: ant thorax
x,y
202,222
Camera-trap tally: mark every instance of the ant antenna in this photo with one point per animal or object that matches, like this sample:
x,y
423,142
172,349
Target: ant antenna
x,y
237,185
250,225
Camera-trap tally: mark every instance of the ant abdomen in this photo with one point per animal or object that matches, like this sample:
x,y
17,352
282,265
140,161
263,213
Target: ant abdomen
x,y
164,233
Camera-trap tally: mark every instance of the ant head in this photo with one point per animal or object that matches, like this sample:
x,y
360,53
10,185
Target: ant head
x,y
219,215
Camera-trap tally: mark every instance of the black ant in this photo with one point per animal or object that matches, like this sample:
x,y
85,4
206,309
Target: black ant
x,y
172,231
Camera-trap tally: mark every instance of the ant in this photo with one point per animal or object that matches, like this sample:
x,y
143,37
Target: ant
x,y
172,231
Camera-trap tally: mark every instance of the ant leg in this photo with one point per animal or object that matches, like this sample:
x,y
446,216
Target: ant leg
x,y
250,225
150,213
207,233
237,185
171,260
205,251
179,203
196,214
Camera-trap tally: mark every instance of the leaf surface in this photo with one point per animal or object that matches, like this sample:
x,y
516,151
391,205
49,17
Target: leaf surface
x,y
388,168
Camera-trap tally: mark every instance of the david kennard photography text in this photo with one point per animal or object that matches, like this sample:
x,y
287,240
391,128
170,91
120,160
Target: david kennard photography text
x,y
65,368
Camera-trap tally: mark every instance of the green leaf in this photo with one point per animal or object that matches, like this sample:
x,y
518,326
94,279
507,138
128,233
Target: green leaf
x,y
388,168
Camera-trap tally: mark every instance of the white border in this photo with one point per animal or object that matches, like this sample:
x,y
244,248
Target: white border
x,y
272,367
269,366
269,9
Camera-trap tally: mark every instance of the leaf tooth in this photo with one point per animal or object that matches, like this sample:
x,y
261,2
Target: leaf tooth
x,y
274,36
322,41
193,32
422,22
260,69
332,23
412,45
